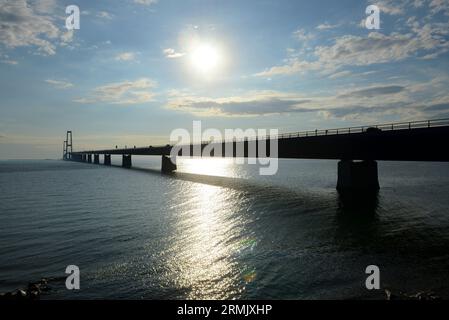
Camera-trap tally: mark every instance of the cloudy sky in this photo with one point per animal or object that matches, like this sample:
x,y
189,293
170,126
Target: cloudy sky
x,y
137,69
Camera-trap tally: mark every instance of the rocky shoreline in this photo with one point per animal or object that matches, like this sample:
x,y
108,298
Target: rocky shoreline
x,y
420,296
32,292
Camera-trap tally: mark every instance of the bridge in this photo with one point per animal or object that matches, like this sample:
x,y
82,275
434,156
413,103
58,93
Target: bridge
x,y
357,148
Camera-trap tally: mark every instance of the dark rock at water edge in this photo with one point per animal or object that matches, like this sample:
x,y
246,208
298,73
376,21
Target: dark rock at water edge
x,y
32,292
421,296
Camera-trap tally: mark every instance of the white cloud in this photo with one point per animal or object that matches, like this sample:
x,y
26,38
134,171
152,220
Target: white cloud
x,y
104,15
418,3
4,58
400,7
429,40
251,104
126,92
392,7
303,35
376,48
11,62
146,2
372,92
439,6
59,84
404,101
172,54
294,66
425,39
45,6
66,37
125,56
30,24
340,74
327,26
21,25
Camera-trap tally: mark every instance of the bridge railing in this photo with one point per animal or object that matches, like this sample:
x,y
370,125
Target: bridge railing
x,y
359,129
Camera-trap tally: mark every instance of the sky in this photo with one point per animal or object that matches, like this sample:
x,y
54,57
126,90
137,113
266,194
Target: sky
x,y
138,69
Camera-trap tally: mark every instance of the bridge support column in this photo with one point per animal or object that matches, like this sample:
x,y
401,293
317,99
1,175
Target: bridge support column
x,y
126,161
96,158
89,158
168,164
107,159
357,176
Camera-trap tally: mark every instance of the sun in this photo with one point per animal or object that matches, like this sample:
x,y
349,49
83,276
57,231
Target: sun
x,y
206,58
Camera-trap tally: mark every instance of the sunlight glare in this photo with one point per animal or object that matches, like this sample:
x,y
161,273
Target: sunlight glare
x,y
206,58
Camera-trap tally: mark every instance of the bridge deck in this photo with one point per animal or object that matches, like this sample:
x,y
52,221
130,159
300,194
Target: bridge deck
x,y
412,141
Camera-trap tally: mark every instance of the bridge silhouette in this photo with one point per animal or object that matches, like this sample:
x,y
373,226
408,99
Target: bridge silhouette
x,y
357,148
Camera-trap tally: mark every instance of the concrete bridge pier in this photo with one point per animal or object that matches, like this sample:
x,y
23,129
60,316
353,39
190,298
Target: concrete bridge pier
x,y
357,176
89,158
107,159
168,164
126,161
96,158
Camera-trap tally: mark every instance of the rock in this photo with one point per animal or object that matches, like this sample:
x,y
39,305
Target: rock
x,y
426,296
34,287
19,294
423,295
34,295
32,292
44,285
393,296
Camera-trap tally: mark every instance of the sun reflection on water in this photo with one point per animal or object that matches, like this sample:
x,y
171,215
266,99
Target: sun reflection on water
x,y
209,241
224,167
